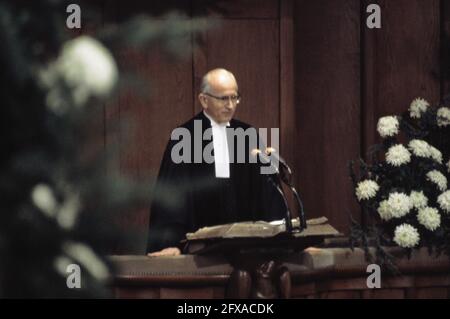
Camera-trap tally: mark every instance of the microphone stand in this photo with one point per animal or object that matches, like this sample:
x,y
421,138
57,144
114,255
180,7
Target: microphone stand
x,y
276,183
286,177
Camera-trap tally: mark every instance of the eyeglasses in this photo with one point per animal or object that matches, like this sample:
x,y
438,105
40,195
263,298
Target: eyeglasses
x,y
224,99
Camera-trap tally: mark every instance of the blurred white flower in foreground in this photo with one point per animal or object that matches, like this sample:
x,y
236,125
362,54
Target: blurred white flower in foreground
x,y
86,67
43,198
87,258
66,213
69,210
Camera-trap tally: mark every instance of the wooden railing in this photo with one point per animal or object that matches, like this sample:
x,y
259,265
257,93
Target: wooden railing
x,y
313,273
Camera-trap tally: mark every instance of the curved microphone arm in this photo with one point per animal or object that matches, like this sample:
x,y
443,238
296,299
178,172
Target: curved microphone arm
x,y
275,181
285,175
277,185
300,207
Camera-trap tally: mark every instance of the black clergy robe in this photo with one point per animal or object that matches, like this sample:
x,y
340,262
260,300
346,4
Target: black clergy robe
x,y
188,196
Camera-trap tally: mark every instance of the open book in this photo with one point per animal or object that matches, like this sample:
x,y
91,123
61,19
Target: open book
x,y
261,229
257,235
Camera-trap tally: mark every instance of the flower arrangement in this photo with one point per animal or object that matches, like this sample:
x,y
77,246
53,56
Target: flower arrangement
x,y
403,187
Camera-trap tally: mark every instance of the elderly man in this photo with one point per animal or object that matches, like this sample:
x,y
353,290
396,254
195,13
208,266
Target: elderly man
x,y
192,194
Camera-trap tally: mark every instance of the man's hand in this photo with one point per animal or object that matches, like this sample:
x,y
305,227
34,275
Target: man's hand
x,y
171,251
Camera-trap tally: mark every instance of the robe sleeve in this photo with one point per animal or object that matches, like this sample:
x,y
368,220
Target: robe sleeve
x,y
169,212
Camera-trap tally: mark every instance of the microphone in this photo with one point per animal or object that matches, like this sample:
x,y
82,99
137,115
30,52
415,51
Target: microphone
x,y
256,152
285,170
270,151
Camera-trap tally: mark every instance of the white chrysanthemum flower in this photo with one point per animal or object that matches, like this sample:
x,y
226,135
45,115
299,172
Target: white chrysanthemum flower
x,y
418,199
444,201
417,107
384,210
438,178
399,204
398,155
420,148
43,198
366,189
436,154
443,116
429,217
388,126
406,236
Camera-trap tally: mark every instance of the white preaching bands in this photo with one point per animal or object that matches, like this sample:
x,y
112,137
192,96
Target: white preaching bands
x,y
220,143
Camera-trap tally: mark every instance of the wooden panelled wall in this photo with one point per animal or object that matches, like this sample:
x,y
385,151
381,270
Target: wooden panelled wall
x,y
346,77
311,68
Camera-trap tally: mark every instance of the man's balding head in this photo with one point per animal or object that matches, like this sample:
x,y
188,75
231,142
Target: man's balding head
x,y
219,95
217,79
